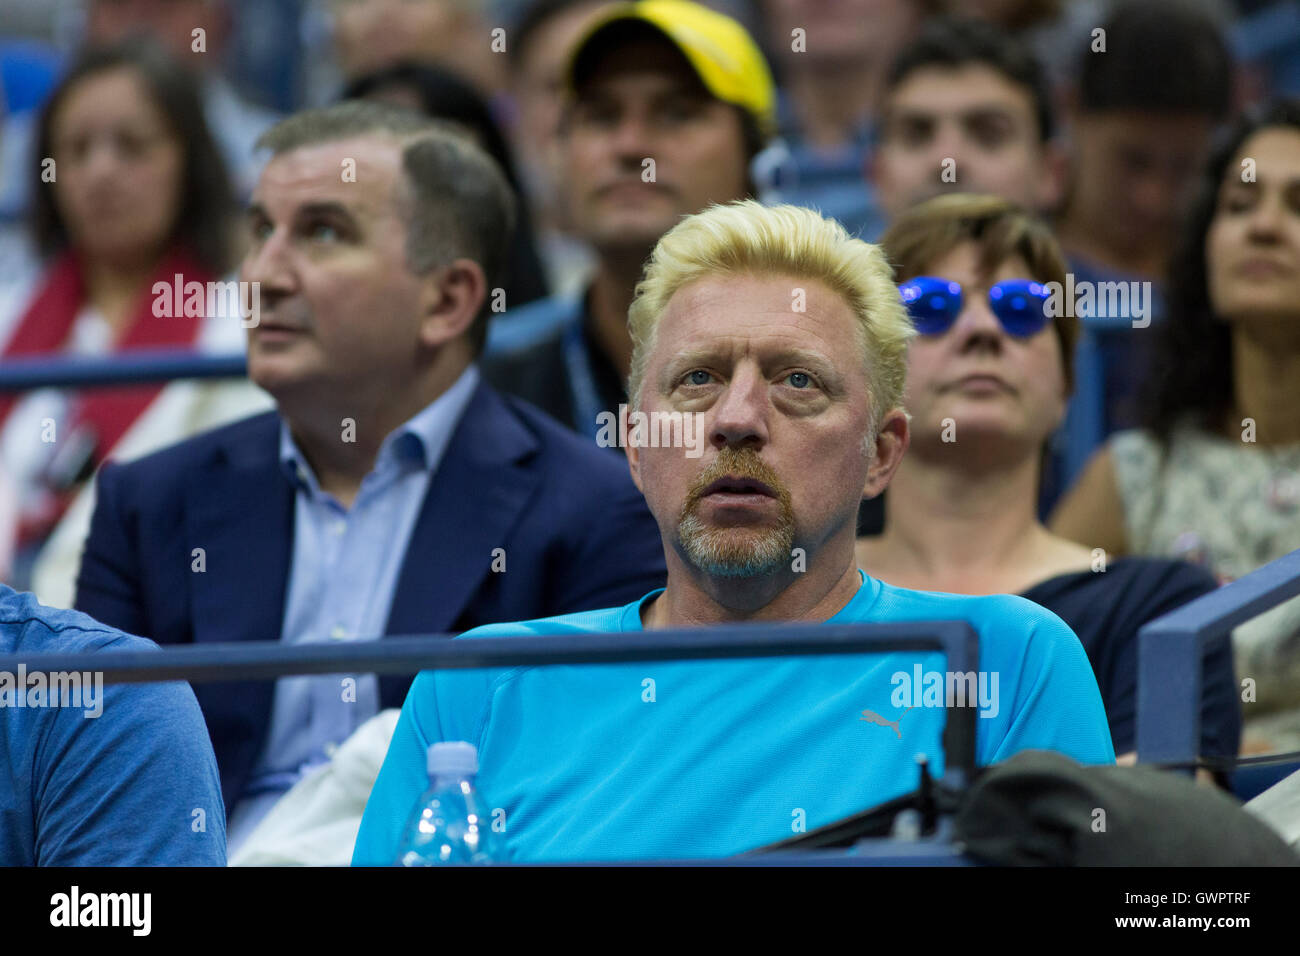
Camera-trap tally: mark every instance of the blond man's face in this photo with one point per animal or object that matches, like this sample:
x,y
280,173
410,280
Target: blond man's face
x,y
774,367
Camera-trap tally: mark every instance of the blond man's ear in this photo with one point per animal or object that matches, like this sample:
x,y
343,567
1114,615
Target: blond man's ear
x,y
633,454
892,440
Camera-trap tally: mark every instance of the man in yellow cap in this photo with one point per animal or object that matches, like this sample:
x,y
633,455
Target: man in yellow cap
x,y
669,101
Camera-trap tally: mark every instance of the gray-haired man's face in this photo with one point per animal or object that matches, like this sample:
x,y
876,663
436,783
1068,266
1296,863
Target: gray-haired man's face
x,y
340,308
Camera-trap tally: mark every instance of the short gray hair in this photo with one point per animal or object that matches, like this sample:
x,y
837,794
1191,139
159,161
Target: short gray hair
x,y
457,202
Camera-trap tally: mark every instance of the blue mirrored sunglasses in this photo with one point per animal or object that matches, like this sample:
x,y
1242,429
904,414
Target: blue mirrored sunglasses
x,y
934,304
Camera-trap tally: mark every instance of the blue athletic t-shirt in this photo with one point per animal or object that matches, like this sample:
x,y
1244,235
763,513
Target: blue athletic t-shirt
x,y
710,758
123,779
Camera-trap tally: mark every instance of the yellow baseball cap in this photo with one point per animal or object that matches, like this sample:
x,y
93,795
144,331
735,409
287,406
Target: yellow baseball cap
x,y
719,49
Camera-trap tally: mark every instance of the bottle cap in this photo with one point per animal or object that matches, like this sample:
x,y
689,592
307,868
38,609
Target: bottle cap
x,y
447,758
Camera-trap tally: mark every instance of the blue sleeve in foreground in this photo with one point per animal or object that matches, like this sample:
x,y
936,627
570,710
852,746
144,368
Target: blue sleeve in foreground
x,y
135,786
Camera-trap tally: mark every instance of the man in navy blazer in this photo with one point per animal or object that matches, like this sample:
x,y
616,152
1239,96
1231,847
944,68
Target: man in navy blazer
x,y
391,492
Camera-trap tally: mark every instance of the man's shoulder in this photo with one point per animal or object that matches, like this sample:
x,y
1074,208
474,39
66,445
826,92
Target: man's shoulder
x,y
534,372
540,357
557,442
472,682
29,627
262,428
1000,619
603,620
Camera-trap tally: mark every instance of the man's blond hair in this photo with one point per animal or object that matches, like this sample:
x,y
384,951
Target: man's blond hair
x,y
747,238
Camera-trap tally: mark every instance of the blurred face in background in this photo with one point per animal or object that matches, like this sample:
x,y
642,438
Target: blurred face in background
x,y
537,88
171,22
408,97
976,117
1011,14
118,169
1252,249
644,102
839,33
340,307
1005,394
1132,173
372,34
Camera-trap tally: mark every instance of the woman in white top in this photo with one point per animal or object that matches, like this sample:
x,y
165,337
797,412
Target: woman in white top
x,y
1214,476
130,192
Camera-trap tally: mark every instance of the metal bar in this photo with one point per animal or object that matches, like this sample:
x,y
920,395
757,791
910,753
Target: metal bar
x,y
1235,603
1169,696
134,367
1170,650
264,660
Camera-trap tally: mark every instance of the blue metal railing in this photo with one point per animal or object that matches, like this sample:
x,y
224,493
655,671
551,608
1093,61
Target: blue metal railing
x,y
404,655
267,660
1169,661
124,368
1169,657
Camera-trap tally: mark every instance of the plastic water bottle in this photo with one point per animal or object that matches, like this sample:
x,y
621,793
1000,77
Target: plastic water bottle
x,y
451,823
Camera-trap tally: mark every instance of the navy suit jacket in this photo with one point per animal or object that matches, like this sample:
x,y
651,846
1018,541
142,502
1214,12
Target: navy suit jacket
x,y
577,536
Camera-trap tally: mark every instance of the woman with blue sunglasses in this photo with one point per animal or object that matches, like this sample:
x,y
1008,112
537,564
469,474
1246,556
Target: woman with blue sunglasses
x,y
988,381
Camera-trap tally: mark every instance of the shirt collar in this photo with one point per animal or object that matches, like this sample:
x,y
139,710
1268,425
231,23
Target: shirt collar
x,y
419,442
854,612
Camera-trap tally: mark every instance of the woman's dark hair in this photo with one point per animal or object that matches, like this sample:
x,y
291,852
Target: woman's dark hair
x,y
1192,361
204,217
444,96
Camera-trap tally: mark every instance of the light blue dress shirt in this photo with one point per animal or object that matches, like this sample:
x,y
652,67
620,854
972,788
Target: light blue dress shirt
x,y
341,583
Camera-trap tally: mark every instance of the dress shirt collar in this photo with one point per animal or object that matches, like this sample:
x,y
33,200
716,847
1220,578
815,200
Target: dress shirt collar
x,y
418,443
